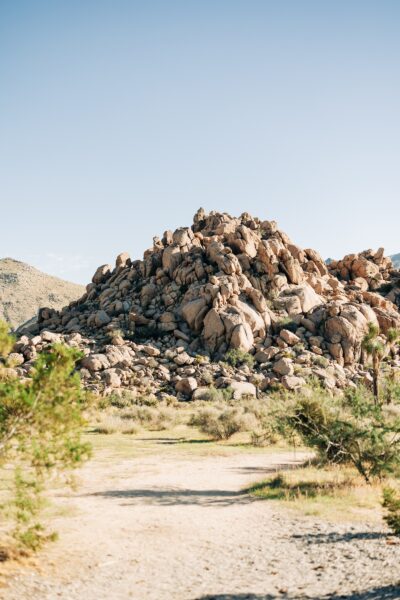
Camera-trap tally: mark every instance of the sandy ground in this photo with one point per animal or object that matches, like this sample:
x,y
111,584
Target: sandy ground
x,y
174,527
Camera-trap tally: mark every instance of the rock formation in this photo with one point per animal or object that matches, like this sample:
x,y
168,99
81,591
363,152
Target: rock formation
x,y
165,323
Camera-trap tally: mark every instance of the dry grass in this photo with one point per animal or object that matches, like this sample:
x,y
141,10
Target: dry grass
x,y
221,423
335,493
114,424
179,440
132,419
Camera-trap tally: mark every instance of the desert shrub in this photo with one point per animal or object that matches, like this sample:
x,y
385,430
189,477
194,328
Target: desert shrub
x,y
109,424
285,323
391,502
350,429
201,359
146,400
207,378
263,428
170,400
320,361
220,423
122,399
127,398
41,421
154,418
271,298
114,334
261,437
6,340
390,390
217,395
237,357
298,348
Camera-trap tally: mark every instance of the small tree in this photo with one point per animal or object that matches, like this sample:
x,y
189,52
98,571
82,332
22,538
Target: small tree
x,y
41,422
391,502
348,429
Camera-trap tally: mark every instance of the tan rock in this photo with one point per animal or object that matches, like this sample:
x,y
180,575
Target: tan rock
x,y
111,378
194,313
150,350
291,382
122,260
242,388
101,319
186,386
171,258
242,337
266,354
214,330
95,362
102,273
289,337
283,366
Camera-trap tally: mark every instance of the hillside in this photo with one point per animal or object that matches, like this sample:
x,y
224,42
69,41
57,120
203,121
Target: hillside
x,y
24,289
225,284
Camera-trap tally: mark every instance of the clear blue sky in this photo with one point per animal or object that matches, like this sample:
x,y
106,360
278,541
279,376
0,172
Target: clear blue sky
x,y
118,119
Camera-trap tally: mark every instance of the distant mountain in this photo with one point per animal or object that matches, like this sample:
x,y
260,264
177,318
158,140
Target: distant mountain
x,y
24,289
396,260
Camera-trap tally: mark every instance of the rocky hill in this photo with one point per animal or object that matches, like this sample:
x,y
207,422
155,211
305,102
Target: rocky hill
x,y
23,290
166,323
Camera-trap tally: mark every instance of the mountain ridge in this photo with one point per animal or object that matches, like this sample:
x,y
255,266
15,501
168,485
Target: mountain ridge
x,y
24,289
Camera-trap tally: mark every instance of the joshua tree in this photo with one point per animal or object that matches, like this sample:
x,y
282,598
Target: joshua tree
x,y
374,348
393,337
377,349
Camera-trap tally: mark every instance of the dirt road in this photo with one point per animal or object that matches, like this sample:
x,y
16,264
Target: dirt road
x,y
174,527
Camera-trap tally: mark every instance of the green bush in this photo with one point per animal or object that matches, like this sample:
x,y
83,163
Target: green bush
x,y
285,323
41,421
350,429
237,357
220,423
391,502
217,395
154,418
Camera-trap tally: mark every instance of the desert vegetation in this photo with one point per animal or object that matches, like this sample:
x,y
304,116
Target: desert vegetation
x,y
355,438
41,422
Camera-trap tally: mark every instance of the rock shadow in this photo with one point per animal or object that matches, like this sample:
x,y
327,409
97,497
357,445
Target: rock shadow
x,y
388,592
177,497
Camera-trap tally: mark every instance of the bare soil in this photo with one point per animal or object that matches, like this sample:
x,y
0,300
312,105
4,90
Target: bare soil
x,y
176,525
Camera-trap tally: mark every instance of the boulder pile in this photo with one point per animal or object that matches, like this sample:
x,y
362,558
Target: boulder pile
x,y
166,323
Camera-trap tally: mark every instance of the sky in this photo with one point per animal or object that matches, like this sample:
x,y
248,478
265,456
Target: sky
x,y
119,119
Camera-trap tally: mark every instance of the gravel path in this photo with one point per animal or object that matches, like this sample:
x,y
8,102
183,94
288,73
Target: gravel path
x,y
174,528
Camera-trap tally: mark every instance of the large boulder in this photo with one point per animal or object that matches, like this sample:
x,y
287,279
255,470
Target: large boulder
x,y
242,388
186,386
